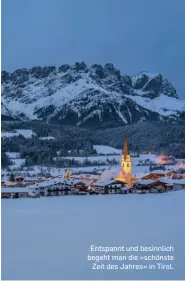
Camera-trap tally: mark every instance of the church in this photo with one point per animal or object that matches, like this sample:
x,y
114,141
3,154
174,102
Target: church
x,y
125,175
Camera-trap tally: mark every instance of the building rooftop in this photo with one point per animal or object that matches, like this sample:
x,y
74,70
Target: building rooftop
x,y
15,190
172,181
104,182
144,182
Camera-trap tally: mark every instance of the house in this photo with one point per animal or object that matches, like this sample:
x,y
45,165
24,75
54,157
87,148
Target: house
x,y
30,180
81,192
19,180
156,167
15,181
126,190
34,192
10,184
43,187
157,189
151,186
154,176
171,184
15,192
144,182
143,185
108,186
81,184
93,192
56,187
58,191
178,184
74,191
172,173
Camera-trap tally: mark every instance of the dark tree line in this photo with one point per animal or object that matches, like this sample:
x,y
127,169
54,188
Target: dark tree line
x,y
74,141
5,160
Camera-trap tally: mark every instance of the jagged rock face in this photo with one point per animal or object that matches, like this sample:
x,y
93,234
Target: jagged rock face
x,y
5,113
96,96
110,112
153,85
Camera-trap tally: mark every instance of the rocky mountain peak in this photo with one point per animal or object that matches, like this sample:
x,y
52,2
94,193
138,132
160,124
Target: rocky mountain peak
x,y
153,85
80,95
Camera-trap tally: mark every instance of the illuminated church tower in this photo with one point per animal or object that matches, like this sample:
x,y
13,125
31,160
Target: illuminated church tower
x,y
125,174
126,162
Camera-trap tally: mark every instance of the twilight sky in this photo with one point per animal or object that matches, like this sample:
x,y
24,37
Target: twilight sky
x,y
135,35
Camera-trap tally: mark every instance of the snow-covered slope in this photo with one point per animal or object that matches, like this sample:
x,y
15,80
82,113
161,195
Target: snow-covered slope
x,y
5,112
88,96
164,105
106,150
24,133
13,155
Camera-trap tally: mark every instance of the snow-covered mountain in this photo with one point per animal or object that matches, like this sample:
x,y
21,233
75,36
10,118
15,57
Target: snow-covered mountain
x,y
96,96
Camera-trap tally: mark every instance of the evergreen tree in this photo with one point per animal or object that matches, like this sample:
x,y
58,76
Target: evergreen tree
x,y
5,161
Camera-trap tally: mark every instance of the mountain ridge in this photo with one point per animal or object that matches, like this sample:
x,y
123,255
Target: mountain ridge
x,y
96,96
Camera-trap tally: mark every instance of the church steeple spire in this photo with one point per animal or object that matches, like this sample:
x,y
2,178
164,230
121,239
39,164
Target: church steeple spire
x,y
125,148
126,165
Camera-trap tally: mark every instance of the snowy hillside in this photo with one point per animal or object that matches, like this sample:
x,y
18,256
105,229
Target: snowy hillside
x,y
24,133
106,150
163,105
38,235
13,155
96,96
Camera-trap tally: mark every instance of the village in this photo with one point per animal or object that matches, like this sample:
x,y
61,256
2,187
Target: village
x,y
163,175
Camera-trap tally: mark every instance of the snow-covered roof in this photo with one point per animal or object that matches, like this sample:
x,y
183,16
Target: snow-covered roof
x,y
172,181
140,175
45,183
15,190
31,179
104,182
144,182
10,183
82,176
110,173
179,181
158,172
92,177
56,181
166,180
85,182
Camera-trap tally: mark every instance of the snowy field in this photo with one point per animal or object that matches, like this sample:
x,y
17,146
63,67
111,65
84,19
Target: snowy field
x,y
24,133
17,163
107,171
100,159
105,149
13,155
50,238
